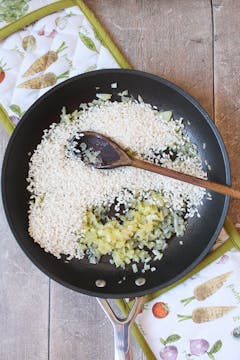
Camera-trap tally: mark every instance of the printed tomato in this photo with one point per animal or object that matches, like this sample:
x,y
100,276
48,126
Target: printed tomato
x,y
2,75
160,310
2,71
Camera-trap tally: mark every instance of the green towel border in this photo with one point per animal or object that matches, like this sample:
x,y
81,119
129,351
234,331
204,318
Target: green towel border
x,y
234,236
47,10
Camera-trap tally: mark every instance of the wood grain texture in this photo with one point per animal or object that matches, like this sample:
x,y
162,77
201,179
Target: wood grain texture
x,y
79,329
227,85
172,39
23,297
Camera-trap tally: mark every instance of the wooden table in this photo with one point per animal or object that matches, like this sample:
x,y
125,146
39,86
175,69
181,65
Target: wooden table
x,y
194,43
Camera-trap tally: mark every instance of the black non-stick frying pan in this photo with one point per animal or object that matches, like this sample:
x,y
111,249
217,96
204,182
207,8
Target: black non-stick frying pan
x,y
201,232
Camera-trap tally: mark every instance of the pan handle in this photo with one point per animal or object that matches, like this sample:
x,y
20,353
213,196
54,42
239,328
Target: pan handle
x,y
122,343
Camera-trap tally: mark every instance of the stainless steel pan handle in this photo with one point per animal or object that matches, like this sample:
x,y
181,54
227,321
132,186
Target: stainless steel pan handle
x,y
122,342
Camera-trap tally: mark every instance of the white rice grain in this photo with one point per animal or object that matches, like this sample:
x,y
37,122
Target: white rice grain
x,y
68,187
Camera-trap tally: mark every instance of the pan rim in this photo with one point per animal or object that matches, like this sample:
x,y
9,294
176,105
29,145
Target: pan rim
x,y
223,150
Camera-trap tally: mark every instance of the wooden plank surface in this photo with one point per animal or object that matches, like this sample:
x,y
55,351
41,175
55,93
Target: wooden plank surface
x,y
169,38
227,85
78,327
172,39
24,300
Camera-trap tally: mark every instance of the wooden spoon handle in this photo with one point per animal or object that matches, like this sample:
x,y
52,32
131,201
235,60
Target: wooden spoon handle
x,y
222,189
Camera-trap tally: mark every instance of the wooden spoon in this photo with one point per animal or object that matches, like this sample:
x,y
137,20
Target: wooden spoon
x,y
110,155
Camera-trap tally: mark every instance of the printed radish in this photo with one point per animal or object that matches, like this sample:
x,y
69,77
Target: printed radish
x,y
160,310
198,346
169,353
52,34
41,31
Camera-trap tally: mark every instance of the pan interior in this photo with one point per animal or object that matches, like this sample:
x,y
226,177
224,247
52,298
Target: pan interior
x,y
201,232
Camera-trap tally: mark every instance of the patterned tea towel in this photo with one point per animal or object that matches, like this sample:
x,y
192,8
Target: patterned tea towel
x,y
52,49
200,318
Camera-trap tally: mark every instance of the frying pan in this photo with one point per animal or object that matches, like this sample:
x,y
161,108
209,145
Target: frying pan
x,y
104,280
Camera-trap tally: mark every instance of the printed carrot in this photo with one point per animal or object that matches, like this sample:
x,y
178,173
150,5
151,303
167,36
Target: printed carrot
x,y
206,289
205,314
44,61
43,81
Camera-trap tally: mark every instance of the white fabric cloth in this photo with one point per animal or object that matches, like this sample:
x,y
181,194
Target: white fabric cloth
x,y
195,340
61,30
12,10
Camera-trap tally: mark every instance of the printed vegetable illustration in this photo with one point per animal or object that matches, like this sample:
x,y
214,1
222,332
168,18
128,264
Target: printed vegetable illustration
x,y
214,349
170,339
160,310
41,31
203,291
88,42
223,259
2,71
16,109
44,61
69,62
236,332
52,34
61,22
205,314
11,10
2,75
169,353
199,346
43,81
29,43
